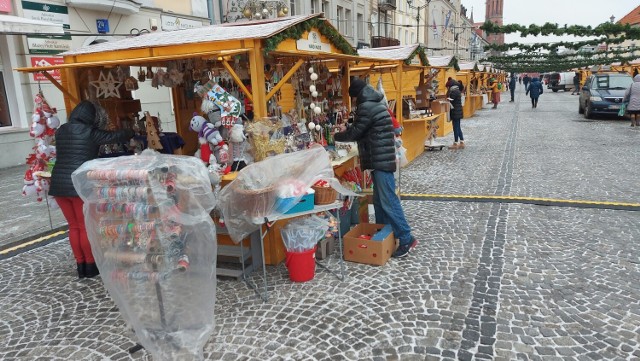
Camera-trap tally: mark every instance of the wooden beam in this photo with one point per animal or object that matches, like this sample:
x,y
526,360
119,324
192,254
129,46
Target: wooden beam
x,y
346,83
285,79
238,80
399,100
256,64
60,87
366,74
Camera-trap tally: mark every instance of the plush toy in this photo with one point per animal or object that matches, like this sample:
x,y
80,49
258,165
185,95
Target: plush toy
x,y
207,132
238,141
29,189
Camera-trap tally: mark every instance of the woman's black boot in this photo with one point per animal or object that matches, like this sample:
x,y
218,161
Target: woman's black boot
x,y
81,270
91,270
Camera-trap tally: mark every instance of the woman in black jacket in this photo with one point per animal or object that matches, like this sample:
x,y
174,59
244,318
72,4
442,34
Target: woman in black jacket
x,y
456,115
373,130
78,141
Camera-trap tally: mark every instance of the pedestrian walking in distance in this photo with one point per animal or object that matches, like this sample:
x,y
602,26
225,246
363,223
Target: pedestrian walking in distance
x,y
534,90
372,128
455,114
526,80
78,141
576,84
632,98
512,87
495,92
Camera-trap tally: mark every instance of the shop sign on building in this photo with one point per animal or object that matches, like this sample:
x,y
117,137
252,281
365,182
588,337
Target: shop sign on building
x,y
56,14
313,43
170,23
51,45
37,61
5,6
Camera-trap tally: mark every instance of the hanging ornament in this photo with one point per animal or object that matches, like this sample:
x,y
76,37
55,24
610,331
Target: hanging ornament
x,y
314,93
312,106
311,70
314,76
53,122
318,127
317,110
312,88
312,125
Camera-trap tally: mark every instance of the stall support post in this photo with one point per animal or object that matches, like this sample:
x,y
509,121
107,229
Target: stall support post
x,y
346,82
257,80
69,81
399,100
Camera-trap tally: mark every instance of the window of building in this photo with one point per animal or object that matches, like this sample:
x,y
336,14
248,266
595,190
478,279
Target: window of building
x,y
339,19
360,25
349,22
315,6
292,7
324,8
5,117
406,37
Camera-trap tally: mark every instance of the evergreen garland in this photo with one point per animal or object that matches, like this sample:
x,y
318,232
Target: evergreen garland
x,y
295,32
604,29
575,45
454,63
421,54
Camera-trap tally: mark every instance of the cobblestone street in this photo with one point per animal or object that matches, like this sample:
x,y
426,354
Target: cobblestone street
x,y
501,281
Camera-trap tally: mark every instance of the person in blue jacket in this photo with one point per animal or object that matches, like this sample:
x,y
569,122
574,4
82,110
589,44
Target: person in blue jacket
x,y
534,90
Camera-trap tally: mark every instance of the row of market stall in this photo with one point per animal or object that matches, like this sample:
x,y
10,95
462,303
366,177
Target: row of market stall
x,y
266,65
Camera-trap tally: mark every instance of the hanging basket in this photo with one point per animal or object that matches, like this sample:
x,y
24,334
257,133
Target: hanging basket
x,y
324,195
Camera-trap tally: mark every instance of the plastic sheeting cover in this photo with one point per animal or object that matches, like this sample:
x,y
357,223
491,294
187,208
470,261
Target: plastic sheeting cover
x,y
259,189
148,222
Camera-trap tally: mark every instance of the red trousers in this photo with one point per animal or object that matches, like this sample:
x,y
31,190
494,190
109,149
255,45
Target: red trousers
x,y
71,207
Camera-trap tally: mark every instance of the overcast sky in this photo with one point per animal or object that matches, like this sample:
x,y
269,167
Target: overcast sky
x,y
570,12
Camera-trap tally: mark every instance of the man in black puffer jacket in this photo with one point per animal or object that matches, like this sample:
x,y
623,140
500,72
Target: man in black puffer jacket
x,y
373,130
77,142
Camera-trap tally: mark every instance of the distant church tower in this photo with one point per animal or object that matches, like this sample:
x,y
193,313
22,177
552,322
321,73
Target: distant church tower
x,y
494,13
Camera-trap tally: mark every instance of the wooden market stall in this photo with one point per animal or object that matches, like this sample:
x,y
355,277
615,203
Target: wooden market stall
x,y
267,65
409,89
467,75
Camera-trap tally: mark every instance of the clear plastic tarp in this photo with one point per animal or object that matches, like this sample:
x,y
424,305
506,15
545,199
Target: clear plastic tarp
x,y
271,187
148,222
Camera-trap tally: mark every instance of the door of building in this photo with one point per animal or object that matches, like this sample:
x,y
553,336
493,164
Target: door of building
x,y
5,118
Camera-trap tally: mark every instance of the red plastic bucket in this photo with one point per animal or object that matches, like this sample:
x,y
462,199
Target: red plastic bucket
x,y
301,265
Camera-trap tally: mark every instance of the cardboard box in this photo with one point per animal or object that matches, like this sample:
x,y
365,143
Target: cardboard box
x,y
368,251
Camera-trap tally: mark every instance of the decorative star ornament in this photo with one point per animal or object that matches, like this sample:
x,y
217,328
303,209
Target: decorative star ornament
x,y
106,86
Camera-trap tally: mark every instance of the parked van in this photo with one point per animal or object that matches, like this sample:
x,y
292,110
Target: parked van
x,y
561,81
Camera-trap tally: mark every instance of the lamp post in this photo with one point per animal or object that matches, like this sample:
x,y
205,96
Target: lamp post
x,y
419,8
456,36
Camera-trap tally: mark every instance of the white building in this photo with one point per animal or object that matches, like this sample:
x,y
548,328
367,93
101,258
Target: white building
x,y
78,17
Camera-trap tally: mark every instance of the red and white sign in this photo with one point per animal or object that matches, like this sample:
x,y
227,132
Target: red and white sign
x,y
5,6
37,61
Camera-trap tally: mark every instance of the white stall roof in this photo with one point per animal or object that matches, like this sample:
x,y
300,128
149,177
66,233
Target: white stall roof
x,y
400,52
439,60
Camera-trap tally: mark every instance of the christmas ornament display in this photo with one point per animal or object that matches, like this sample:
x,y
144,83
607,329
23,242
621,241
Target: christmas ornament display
x,y
43,128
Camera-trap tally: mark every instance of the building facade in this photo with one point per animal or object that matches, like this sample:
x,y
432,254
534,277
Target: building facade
x,y
90,21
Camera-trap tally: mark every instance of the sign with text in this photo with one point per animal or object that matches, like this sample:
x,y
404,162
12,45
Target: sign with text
x,y
37,61
170,23
56,14
52,44
5,6
102,25
313,43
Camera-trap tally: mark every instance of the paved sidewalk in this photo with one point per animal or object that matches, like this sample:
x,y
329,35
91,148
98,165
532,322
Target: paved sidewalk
x,y
500,281
22,217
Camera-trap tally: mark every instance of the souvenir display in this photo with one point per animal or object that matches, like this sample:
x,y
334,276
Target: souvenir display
x,y
154,242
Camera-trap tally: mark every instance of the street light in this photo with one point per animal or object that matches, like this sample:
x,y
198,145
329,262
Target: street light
x,y
419,8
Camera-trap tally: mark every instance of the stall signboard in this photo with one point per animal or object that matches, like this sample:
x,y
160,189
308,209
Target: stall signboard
x,y
5,6
170,23
37,61
56,14
313,43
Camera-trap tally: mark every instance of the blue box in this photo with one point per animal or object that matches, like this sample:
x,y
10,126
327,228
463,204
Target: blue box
x,y
304,204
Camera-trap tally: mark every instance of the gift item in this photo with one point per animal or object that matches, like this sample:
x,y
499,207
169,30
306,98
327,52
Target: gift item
x,y
153,239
